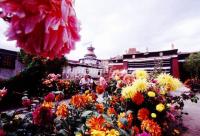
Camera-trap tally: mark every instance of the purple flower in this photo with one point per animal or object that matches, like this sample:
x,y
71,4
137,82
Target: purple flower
x,y
144,134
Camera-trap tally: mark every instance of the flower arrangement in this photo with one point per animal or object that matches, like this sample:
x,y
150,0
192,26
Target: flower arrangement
x,y
45,28
141,107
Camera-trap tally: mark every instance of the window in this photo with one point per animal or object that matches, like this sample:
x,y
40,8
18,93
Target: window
x,y
87,71
99,73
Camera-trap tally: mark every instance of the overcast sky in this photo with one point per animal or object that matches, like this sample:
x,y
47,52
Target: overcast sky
x,y
113,26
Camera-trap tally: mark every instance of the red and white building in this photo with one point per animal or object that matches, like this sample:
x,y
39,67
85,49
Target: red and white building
x,y
170,61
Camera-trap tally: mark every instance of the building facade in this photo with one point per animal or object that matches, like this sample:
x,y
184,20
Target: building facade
x,y
169,61
9,64
89,64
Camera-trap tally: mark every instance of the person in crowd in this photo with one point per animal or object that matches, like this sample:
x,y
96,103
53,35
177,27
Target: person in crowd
x,y
86,83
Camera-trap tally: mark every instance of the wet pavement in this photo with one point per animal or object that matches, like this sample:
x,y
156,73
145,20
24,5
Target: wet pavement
x,y
192,121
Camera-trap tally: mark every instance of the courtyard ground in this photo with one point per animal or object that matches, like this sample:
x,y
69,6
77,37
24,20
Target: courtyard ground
x,y
192,121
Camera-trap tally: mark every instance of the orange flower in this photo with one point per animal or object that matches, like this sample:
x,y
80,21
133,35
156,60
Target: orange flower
x,y
111,111
81,101
48,105
138,98
97,123
100,89
62,110
152,127
100,107
59,97
143,114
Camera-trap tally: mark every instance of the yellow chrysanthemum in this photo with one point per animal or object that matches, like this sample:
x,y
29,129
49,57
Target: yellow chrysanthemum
x,y
168,82
128,92
141,74
153,115
140,85
160,107
112,132
97,133
151,94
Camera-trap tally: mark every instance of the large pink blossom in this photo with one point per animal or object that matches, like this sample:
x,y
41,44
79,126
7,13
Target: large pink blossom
x,y
48,28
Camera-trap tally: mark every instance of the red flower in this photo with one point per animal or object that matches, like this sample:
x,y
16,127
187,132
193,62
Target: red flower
x,y
3,92
26,102
50,97
138,98
2,133
111,111
100,107
135,130
48,28
42,116
100,89
143,114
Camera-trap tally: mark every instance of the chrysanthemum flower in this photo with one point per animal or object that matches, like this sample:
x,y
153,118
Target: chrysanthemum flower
x,y
143,114
50,97
26,102
140,74
138,98
151,94
168,82
153,115
100,107
112,132
48,28
96,123
140,85
100,89
160,107
81,101
48,105
128,79
111,111
95,132
114,100
152,127
128,92
42,116
62,110
135,130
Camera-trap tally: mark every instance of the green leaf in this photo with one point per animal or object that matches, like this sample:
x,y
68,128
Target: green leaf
x,y
62,132
123,132
86,113
124,121
108,119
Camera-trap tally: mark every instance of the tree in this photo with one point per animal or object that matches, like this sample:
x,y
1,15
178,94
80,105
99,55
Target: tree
x,y
192,65
36,68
